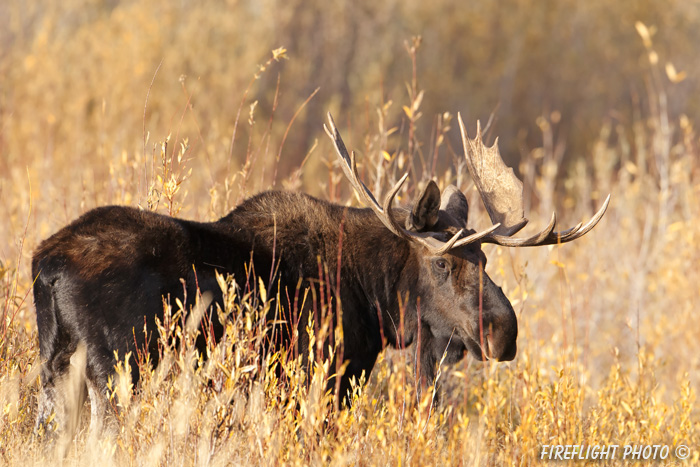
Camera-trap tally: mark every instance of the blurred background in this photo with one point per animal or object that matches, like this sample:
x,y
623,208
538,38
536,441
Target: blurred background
x,y
187,107
75,74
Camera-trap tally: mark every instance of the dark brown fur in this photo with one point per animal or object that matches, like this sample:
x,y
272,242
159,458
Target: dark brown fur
x,y
102,277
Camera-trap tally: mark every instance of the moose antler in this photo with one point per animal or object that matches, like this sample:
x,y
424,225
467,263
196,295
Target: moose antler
x,y
502,194
384,212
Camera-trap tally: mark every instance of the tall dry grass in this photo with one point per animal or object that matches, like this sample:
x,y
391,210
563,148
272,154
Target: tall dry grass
x,y
186,110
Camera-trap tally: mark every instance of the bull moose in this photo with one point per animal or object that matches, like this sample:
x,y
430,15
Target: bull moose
x,y
99,279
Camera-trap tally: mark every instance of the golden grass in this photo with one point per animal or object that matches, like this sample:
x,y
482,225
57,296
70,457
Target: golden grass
x,y
608,345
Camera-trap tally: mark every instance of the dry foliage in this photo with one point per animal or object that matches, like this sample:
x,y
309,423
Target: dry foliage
x,y
608,346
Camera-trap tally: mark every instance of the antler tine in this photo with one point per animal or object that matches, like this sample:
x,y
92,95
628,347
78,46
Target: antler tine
x,y
476,236
548,236
349,166
596,218
389,199
384,213
580,230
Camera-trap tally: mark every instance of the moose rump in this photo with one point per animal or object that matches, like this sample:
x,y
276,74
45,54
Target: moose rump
x,y
102,280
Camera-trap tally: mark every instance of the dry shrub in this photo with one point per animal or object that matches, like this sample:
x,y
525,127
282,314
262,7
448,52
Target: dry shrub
x,y
608,348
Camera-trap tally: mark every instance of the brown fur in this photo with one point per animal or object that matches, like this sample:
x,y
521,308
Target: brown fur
x,y
102,277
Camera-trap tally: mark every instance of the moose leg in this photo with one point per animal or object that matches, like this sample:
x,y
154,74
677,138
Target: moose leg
x,y
98,407
53,396
61,352
48,404
99,369
61,398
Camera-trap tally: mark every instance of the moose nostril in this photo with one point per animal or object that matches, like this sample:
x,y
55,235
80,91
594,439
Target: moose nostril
x,y
509,352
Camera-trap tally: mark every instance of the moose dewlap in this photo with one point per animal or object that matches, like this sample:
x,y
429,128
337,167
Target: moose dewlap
x,y
101,278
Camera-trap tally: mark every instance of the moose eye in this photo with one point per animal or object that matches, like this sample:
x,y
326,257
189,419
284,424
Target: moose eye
x,y
441,268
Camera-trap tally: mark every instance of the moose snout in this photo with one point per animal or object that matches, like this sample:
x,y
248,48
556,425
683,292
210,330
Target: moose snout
x,y
502,349
502,333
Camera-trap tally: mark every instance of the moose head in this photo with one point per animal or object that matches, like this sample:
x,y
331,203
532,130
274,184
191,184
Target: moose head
x,y
461,307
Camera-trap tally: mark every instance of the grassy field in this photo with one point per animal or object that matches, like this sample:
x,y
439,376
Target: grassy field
x,y
187,109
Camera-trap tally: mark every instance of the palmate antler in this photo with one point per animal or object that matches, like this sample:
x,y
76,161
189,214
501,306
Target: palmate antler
x,y
502,194
500,190
384,213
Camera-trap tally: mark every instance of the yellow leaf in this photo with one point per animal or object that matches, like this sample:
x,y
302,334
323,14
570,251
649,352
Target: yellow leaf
x,y
673,75
279,53
676,226
409,112
653,58
627,408
644,33
417,101
263,292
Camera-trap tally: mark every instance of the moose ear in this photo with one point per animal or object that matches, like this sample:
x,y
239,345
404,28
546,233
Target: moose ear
x,y
455,204
424,214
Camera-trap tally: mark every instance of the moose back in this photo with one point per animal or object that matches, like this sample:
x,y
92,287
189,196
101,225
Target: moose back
x,y
101,278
